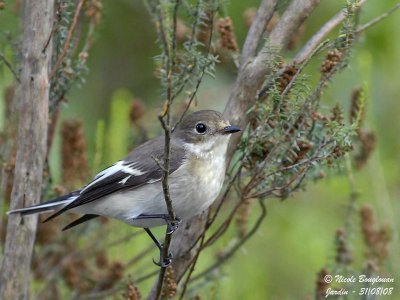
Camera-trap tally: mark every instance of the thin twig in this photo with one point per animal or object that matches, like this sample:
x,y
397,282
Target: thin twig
x,y
202,72
301,68
237,246
10,67
68,38
377,19
318,37
165,119
195,259
114,290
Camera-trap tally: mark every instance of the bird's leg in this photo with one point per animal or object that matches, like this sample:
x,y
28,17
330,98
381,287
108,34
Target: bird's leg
x,y
164,262
172,224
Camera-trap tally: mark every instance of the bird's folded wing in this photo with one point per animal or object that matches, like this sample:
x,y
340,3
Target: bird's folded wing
x,y
137,169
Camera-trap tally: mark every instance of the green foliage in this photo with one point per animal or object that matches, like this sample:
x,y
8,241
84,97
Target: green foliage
x,y
182,67
70,52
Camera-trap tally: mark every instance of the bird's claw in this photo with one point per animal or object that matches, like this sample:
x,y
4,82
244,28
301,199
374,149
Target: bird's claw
x,y
164,262
173,225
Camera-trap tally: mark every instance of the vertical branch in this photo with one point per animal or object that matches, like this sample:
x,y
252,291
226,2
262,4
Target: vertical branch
x,y
165,120
32,95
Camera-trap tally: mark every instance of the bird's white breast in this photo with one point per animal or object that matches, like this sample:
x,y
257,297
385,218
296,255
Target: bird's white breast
x,y
198,182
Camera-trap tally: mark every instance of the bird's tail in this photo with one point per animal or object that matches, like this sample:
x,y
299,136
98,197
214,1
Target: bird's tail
x,y
48,206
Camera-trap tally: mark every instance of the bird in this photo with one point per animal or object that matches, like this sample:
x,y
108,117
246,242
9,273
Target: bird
x,y
131,189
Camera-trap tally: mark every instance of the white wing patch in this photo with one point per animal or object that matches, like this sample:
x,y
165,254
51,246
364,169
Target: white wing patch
x,y
120,166
123,181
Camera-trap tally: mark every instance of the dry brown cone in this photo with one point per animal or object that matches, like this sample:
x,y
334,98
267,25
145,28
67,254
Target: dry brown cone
x,y
102,259
132,292
93,10
368,142
2,5
286,77
343,253
182,31
382,248
170,287
227,39
356,107
368,225
376,240
304,147
73,154
136,111
322,284
337,114
204,29
332,59
73,271
114,274
317,116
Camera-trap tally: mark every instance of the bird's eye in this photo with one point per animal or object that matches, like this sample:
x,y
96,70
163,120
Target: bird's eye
x,y
201,128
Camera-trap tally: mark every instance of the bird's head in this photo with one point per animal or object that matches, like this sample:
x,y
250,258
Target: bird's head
x,y
205,130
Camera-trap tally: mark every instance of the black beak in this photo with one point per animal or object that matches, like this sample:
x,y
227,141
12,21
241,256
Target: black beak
x,y
231,129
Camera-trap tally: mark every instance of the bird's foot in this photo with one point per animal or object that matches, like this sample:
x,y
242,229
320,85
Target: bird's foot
x,y
173,225
164,261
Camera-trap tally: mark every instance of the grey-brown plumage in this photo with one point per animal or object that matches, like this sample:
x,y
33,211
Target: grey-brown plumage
x,y
131,188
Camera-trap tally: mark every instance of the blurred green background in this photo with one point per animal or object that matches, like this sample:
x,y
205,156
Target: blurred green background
x,y
297,238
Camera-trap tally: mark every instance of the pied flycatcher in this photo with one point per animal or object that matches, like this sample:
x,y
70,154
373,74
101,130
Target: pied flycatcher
x,y
131,189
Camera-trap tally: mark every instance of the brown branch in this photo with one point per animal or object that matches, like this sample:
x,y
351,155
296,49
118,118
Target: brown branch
x,y
318,37
257,29
33,98
254,71
243,95
165,120
68,38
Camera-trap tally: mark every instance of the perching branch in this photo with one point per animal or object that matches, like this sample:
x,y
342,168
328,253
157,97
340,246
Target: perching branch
x,y
165,120
33,97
